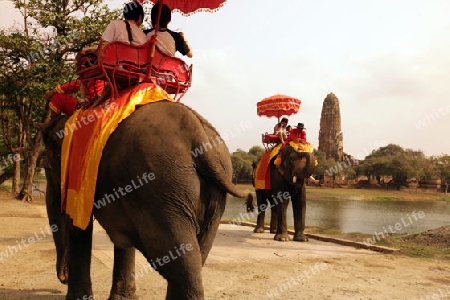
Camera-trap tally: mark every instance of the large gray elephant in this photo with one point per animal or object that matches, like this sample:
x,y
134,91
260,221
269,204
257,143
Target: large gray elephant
x,y
287,182
172,218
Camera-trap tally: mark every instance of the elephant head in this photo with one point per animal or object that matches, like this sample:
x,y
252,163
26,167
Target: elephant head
x,y
295,164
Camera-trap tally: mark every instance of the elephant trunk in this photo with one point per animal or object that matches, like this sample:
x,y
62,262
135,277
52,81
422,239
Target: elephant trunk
x,y
303,167
310,164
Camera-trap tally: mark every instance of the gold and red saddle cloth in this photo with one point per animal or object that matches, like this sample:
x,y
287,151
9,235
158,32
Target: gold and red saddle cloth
x,y
86,133
262,172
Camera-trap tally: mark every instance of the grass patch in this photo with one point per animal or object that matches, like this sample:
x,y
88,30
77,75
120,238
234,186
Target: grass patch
x,y
322,230
387,198
316,193
7,187
445,198
413,249
407,247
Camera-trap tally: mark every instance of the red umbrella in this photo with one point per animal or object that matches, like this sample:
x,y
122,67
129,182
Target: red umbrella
x,y
278,105
188,7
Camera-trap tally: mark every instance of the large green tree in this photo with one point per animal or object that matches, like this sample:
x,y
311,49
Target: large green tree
x,y
442,166
325,166
35,58
393,160
243,162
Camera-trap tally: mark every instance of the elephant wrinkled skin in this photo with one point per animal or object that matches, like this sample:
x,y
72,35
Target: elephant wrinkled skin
x,y
175,215
287,182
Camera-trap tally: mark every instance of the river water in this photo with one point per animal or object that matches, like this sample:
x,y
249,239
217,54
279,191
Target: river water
x,y
369,217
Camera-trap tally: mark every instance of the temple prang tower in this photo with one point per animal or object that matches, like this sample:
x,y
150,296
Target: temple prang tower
x,y
330,134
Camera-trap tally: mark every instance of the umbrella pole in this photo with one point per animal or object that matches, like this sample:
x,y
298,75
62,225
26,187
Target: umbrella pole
x,y
153,38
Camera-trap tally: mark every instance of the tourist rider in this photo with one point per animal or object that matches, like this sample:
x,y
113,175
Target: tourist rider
x,y
62,100
127,30
297,135
280,130
167,40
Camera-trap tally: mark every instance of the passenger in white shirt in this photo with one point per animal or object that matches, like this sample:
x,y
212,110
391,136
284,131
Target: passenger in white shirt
x,y
127,31
280,130
167,40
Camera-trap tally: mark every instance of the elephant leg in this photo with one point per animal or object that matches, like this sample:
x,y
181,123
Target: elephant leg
x,y
80,248
182,268
299,212
60,221
61,239
273,218
62,265
206,237
259,228
124,284
262,206
282,233
190,288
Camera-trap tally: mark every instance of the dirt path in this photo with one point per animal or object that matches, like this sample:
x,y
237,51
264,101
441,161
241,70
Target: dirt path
x,y
241,265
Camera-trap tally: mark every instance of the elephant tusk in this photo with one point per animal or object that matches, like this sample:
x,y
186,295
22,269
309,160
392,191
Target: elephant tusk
x,y
294,179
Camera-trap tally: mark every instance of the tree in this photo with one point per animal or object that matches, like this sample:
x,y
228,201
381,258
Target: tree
x,y
33,59
329,167
256,152
442,165
397,162
242,165
243,162
325,166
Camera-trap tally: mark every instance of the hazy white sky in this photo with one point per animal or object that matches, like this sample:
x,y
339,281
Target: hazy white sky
x,y
388,62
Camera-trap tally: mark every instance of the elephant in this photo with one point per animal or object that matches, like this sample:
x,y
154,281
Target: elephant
x,y
177,212
288,181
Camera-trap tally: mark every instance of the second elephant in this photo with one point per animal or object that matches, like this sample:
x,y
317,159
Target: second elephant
x,y
287,181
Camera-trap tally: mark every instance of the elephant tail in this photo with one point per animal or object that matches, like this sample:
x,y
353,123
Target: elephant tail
x,y
234,191
216,166
249,203
214,172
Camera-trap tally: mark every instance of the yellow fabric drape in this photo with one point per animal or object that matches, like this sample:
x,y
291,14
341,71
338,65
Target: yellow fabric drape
x,y
87,132
302,147
262,178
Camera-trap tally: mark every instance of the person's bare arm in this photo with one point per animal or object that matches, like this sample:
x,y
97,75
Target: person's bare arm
x,y
275,128
189,54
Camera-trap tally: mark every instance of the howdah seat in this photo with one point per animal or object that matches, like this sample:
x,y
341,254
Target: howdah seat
x,y
123,64
270,140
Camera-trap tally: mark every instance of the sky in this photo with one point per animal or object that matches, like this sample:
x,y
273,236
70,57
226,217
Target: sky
x,y
388,63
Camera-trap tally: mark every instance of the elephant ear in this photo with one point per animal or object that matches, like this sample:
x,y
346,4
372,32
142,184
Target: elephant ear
x,y
284,158
281,169
54,133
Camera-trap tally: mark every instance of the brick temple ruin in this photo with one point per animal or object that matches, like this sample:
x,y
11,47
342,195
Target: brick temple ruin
x,y
331,143
330,134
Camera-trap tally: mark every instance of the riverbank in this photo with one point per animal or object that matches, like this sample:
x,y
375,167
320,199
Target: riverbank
x,y
317,193
321,193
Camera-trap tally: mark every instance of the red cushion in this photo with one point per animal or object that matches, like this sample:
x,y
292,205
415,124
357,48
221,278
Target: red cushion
x,y
270,138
